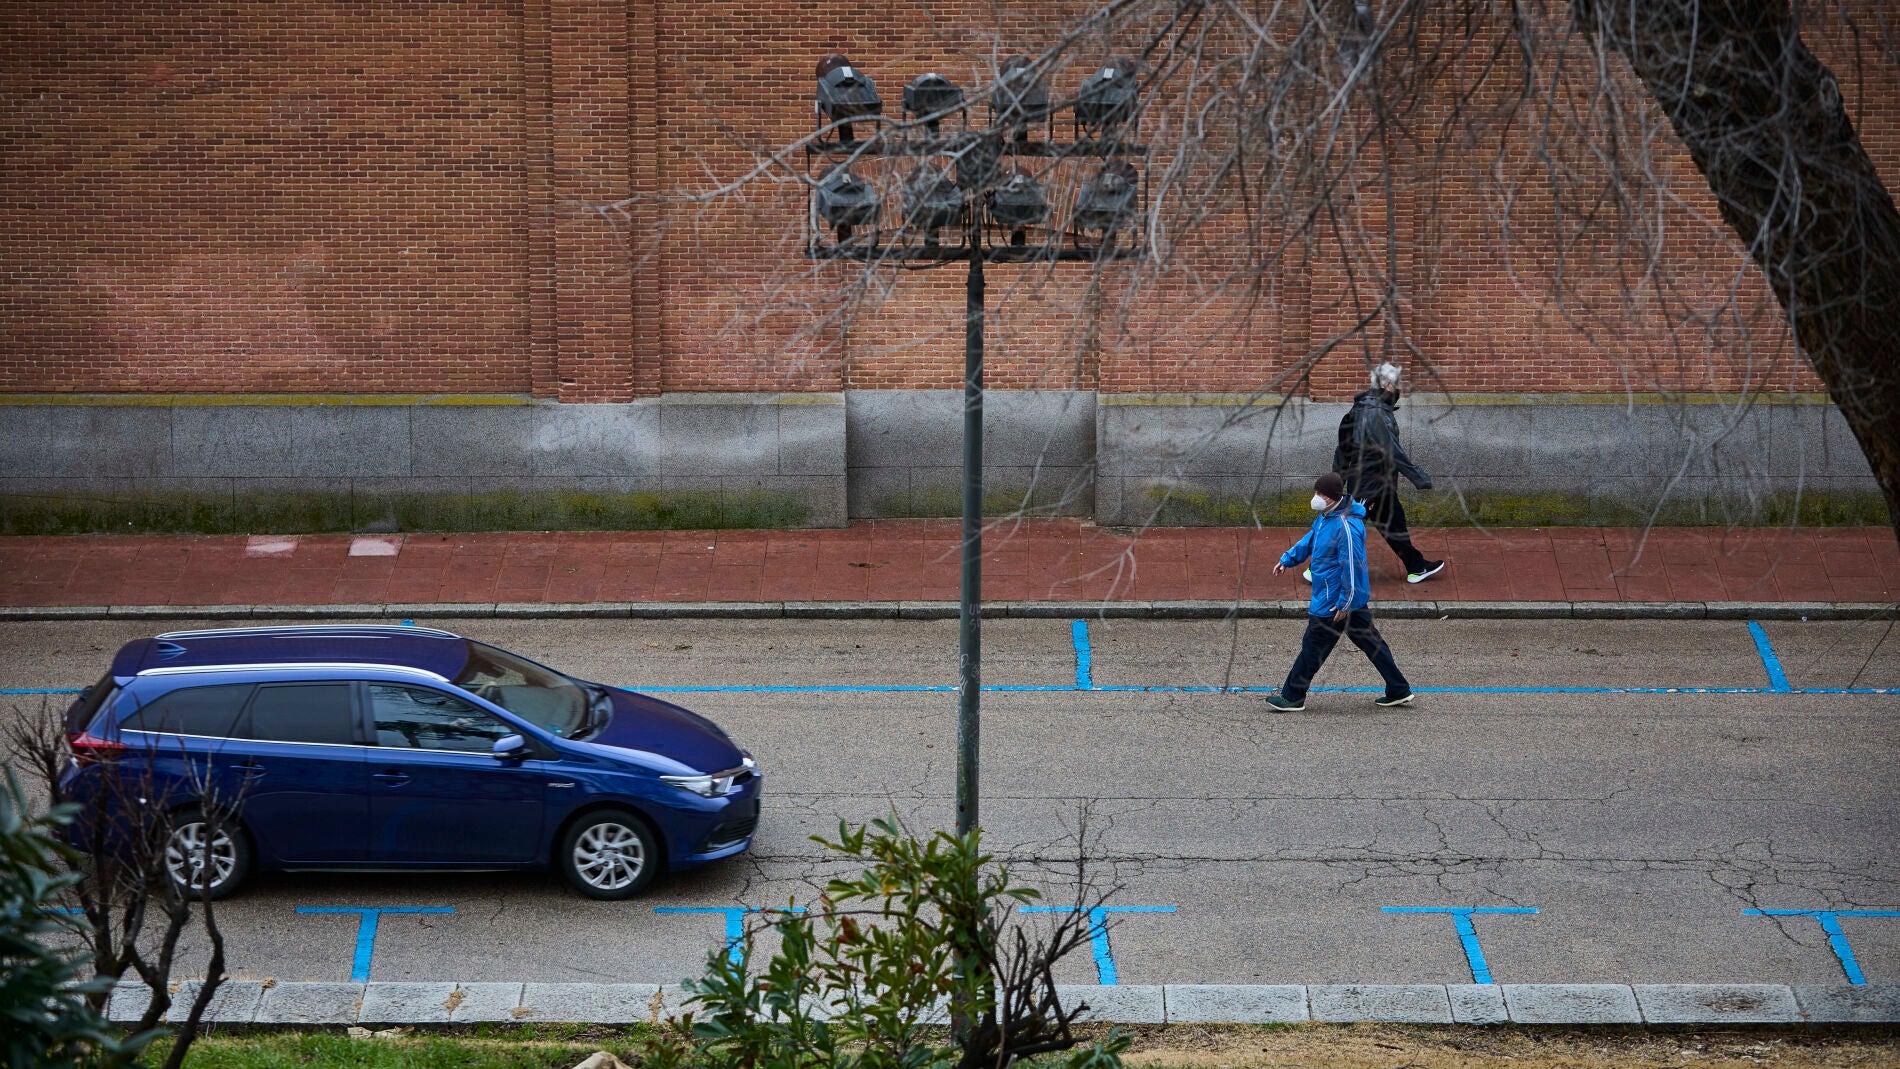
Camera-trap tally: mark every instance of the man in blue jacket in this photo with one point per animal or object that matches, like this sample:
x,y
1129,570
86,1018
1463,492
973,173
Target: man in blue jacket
x,y
1336,550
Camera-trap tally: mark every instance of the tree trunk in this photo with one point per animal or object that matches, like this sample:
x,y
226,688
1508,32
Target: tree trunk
x,y
1764,120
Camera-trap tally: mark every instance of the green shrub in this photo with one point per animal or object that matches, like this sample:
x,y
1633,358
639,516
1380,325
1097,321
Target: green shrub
x,y
916,963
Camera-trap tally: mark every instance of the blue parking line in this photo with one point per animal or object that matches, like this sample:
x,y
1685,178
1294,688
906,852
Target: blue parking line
x,y
735,922
1105,972
1836,938
1084,660
366,930
1467,933
1777,679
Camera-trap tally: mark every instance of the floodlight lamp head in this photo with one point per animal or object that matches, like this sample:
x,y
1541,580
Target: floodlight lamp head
x,y
1106,203
1020,95
1019,202
932,202
1107,98
845,93
931,95
846,201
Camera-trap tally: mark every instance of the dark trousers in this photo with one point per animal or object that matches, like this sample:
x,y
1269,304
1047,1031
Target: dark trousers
x,y
1384,512
1322,634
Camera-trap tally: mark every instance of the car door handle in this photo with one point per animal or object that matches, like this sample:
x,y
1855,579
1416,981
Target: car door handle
x,y
248,769
392,777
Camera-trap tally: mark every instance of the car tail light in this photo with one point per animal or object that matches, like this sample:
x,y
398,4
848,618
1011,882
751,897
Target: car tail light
x,y
91,749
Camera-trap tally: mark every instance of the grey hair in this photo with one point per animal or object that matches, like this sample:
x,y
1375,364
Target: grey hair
x,y
1386,376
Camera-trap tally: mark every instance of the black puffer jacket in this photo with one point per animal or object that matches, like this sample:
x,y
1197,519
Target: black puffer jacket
x,y
1369,456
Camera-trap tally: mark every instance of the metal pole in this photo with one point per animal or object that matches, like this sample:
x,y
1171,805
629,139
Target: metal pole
x,y
969,611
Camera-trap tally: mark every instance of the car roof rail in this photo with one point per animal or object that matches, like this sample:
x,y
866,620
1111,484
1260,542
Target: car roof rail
x,y
332,630
280,666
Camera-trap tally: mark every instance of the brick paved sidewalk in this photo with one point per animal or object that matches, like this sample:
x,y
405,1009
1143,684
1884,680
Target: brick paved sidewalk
x,y
916,560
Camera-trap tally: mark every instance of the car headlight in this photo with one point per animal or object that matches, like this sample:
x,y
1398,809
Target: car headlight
x,y
717,784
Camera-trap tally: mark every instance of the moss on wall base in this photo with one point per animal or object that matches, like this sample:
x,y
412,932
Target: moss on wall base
x,y
306,512
1498,508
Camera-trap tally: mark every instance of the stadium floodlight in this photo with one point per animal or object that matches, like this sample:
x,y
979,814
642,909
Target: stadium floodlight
x,y
1021,95
932,202
845,93
1106,203
1107,98
978,160
930,97
1018,203
846,201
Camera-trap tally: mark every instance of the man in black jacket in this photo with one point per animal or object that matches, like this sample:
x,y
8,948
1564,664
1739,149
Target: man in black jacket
x,y
1371,460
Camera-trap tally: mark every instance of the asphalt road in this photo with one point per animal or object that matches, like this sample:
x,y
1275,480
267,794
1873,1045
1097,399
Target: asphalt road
x,y
1639,826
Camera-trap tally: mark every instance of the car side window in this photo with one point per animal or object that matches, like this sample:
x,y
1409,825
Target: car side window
x,y
209,711
303,712
420,718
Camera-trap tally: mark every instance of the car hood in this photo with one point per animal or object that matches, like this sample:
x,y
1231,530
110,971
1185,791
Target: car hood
x,y
647,724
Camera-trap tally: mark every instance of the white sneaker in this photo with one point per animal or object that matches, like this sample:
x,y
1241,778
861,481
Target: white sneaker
x,y
1432,567
1307,575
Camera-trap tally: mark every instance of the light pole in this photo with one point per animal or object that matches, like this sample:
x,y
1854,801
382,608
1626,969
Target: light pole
x,y
981,200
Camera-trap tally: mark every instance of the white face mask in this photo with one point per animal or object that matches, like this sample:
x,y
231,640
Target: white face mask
x,y
1320,504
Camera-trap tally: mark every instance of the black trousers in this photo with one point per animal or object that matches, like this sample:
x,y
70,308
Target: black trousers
x,y
1322,634
1384,512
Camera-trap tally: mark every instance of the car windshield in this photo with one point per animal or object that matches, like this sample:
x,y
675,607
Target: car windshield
x,y
539,695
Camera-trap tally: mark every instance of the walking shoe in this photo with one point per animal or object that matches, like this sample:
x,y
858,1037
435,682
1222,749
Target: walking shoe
x,y
1307,575
1280,703
1432,567
1392,700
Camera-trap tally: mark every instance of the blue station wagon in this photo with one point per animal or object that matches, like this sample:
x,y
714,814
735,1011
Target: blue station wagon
x,y
403,748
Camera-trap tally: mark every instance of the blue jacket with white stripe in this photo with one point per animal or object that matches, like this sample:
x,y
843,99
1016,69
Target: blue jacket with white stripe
x,y
1336,546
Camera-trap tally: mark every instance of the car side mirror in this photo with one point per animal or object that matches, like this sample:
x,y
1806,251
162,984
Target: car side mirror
x,y
511,748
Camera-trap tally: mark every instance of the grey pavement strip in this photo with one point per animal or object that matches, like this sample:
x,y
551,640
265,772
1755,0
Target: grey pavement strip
x,y
1394,1003
1849,1003
1729,1003
1236,1003
1571,1004
1477,1004
932,610
265,1002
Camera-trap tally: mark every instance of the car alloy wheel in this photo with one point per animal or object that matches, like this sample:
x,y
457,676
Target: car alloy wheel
x,y
201,858
609,856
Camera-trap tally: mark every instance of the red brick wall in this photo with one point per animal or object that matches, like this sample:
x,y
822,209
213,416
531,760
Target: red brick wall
x,y
433,197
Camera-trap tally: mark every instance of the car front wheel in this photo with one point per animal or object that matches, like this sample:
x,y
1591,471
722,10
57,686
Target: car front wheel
x,y
609,855
205,858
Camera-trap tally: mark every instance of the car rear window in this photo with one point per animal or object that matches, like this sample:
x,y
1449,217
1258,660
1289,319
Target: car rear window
x,y
209,711
91,700
303,712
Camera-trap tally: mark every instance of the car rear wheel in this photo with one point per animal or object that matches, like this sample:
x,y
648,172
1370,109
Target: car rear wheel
x,y
206,857
609,855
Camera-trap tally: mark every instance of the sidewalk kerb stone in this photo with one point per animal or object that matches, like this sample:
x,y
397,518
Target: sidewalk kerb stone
x,y
37,613
484,1002
1081,610
927,610
235,1002
588,1003
1572,1004
179,612
1505,610
128,1002
841,610
559,610
1477,1004
1390,1003
406,1003
1236,1003
1849,1003
448,610
1717,1003
325,612
1120,1004
1639,610
706,610
1775,610
307,1003
1407,610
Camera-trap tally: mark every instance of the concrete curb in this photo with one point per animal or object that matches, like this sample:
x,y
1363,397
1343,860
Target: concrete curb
x,y
269,1003
941,610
